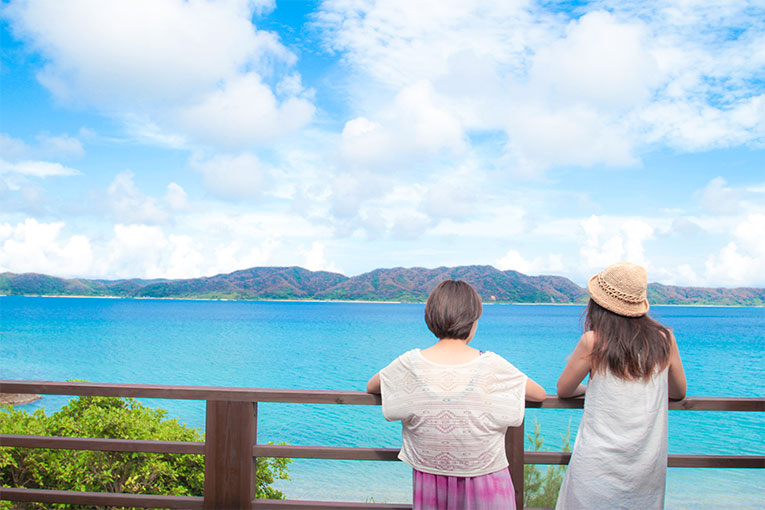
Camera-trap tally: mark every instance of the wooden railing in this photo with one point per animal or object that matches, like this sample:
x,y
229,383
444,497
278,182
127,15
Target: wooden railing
x,y
231,446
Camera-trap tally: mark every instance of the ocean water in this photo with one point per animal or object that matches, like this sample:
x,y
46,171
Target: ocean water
x,y
338,346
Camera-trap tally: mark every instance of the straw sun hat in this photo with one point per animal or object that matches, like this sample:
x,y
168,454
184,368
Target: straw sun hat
x,y
621,288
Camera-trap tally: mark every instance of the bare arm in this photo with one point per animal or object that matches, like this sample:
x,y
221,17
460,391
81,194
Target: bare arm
x,y
534,392
677,384
373,386
577,368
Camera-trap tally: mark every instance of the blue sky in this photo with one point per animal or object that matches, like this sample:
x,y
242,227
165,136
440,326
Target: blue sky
x,y
177,139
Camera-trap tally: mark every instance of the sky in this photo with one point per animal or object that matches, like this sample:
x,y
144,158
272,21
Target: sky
x,y
178,139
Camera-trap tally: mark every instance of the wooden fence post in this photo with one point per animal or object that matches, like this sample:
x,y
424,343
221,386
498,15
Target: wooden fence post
x,y
514,444
230,472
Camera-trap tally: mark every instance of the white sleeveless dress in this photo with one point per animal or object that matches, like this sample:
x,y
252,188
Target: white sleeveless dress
x,y
620,454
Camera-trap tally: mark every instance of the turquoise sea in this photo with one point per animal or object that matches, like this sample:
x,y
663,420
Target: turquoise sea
x,y
315,345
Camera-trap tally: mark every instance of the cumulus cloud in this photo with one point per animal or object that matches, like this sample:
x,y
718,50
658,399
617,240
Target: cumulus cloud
x,y
190,60
416,125
741,262
244,111
601,88
600,61
315,258
550,264
613,240
130,251
31,246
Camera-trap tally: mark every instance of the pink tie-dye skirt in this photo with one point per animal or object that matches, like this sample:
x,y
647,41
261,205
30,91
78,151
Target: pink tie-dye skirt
x,y
486,492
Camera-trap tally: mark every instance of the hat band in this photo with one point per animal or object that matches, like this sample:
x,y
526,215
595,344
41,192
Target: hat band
x,y
608,289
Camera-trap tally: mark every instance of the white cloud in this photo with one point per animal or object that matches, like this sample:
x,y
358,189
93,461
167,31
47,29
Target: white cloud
x,y
598,89
233,177
244,111
601,62
551,264
417,124
716,197
145,130
176,197
183,47
12,148
315,258
61,145
741,262
32,246
36,168
174,64
410,225
540,138
129,205
614,240
453,195
350,191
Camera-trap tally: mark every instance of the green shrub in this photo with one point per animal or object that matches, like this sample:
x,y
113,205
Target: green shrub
x,y
541,489
122,472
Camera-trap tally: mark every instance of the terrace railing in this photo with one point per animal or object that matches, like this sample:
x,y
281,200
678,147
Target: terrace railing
x,y
231,444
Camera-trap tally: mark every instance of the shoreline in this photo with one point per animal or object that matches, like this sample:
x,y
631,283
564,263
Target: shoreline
x,y
14,399
265,300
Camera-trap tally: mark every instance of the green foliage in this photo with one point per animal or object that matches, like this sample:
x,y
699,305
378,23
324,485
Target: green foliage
x,y
270,469
125,472
541,489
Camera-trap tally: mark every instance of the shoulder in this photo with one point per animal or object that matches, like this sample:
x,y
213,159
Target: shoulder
x,y
587,341
404,360
498,363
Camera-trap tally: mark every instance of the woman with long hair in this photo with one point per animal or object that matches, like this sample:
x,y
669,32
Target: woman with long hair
x,y
620,454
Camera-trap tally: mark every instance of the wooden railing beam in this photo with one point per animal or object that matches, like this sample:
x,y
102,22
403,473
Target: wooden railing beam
x,y
99,498
220,393
105,445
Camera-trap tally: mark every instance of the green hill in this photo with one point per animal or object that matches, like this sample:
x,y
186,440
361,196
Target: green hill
x,y
390,284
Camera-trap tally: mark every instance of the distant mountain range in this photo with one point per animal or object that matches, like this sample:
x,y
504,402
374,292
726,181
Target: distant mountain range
x,y
394,284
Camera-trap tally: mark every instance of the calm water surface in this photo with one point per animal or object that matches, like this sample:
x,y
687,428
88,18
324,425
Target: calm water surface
x,y
339,346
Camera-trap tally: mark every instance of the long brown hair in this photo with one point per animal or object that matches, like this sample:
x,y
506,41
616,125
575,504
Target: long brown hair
x,y
628,347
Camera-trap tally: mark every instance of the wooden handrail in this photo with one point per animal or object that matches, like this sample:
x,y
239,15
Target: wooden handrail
x,y
221,393
232,413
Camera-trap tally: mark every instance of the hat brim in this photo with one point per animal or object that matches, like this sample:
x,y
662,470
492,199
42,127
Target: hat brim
x,y
613,304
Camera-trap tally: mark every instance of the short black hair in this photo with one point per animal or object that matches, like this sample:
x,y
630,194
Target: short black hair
x,y
452,308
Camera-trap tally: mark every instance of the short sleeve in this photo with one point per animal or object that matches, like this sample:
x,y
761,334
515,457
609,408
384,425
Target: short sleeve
x,y
509,392
396,386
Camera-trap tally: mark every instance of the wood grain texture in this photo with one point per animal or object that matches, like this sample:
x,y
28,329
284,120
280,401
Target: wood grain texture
x,y
325,452
100,498
104,445
229,466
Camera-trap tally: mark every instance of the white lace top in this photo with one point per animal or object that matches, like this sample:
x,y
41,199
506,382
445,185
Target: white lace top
x,y
454,417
